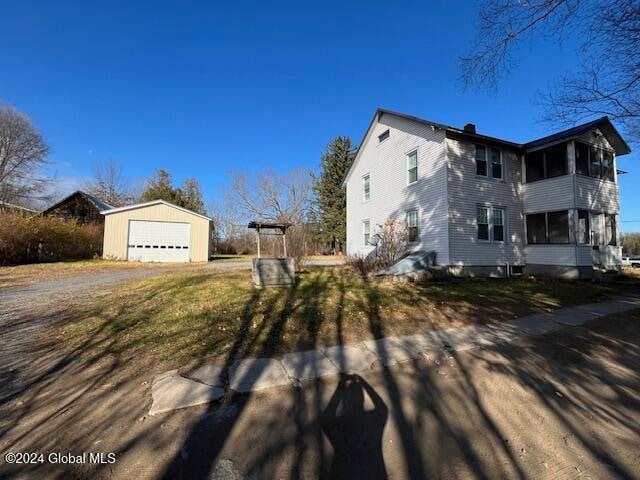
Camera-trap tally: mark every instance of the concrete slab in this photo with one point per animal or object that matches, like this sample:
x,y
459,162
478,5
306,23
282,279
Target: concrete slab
x,y
608,308
253,374
308,365
390,351
574,316
420,344
210,374
170,392
535,324
458,339
351,358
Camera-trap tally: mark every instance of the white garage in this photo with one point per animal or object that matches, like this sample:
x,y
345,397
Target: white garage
x,y
156,231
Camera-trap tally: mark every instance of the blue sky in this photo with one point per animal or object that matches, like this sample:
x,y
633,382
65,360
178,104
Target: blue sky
x,y
202,88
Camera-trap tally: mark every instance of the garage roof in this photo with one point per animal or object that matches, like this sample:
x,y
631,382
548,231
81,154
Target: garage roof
x,y
149,204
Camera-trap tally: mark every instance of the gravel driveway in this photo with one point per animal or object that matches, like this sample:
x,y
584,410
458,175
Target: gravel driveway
x,y
25,310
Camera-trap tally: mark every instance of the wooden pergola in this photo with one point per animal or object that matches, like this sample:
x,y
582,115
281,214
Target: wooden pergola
x,y
281,227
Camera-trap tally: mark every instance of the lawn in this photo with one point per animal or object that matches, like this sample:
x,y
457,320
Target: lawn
x,y
187,317
37,272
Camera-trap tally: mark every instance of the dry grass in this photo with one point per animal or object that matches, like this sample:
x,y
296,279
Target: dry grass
x,y
21,275
187,317
632,272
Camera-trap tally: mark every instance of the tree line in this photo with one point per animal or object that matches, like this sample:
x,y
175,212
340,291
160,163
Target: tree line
x,y
299,197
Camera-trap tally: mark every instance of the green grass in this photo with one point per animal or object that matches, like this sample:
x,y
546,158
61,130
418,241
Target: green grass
x,y
185,317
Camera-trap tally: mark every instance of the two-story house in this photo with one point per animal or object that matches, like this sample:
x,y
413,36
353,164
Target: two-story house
x,y
487,206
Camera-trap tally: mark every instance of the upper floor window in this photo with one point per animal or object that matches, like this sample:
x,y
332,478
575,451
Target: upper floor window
x,y
491,224
366,188
412,226
489,162
496,163
481,160
412,167
383,136
594,162
366,231
546,163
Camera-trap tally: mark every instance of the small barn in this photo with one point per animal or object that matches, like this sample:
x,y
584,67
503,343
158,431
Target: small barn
x,y
81,206
156,231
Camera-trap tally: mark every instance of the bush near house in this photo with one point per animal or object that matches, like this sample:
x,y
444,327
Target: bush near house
x,y
43,239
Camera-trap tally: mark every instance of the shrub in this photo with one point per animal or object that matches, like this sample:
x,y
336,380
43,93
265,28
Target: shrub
x,y
363,264
392,242
44,239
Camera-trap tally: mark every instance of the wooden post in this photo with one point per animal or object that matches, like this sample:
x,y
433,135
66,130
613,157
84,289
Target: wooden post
x,y
284,241
258,240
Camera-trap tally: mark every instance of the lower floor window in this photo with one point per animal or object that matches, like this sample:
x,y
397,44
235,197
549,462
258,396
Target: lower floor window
x,y
412,226
366,231
491,224
610,229
498,224
584,229
549,227
483,223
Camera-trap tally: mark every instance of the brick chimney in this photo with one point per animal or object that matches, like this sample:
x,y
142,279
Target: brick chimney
x,y
470,128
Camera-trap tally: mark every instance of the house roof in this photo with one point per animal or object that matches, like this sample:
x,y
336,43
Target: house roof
x,y
99,204
149,204
603,124
17,207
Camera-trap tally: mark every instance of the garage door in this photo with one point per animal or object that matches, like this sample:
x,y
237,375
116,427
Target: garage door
x,y
158,241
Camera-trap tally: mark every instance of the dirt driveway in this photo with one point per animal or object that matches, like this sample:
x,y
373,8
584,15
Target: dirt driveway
x,y
562,406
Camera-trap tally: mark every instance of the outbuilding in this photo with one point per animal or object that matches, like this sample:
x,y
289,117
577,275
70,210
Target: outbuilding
x,y
156,231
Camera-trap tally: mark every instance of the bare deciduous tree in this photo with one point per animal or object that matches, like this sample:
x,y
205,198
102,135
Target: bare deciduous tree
x,y
608,82
110,185
23,152
271,196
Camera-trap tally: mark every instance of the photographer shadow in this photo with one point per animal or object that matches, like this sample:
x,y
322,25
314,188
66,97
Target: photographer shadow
x,y
355,432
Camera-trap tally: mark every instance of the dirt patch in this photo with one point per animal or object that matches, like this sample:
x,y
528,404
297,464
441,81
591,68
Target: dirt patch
x,y
560,406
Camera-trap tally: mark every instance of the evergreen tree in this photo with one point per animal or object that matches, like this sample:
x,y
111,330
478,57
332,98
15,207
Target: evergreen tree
x,y
160,187
330,196
191,196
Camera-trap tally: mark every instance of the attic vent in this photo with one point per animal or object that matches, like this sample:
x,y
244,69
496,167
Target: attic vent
x,y
470,128
383,136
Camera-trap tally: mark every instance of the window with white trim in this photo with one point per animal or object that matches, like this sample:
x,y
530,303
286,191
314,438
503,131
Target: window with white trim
x,y
498,224
412,167
366,231
412,226
366,188
496,163
610,229
481,161
491,224
489,162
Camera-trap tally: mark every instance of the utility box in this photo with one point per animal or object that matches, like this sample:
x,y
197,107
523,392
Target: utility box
x,y
273,272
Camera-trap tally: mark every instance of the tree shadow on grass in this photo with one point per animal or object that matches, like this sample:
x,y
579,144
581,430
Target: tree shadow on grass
x,y
427,414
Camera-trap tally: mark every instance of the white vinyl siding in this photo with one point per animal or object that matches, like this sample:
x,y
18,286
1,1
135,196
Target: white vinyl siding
x,y
467,192
391,197
550,194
